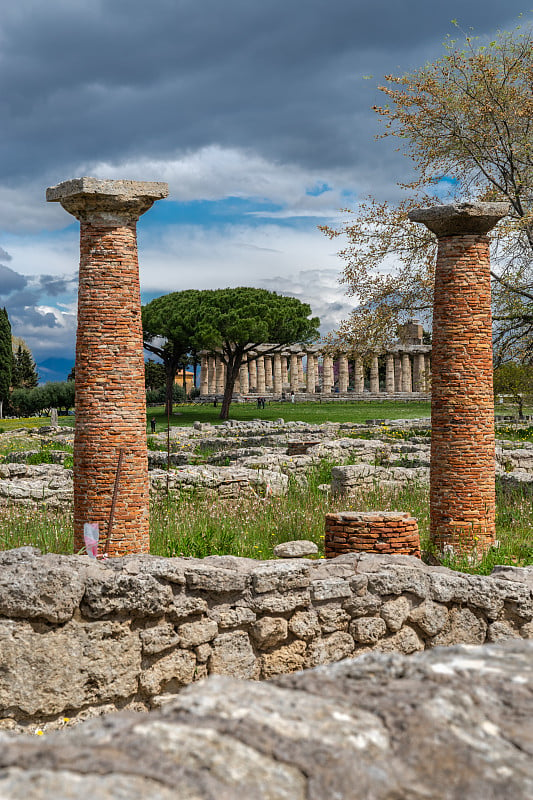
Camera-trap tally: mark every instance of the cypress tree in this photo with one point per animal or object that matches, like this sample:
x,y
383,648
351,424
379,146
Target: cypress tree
x,y
6,359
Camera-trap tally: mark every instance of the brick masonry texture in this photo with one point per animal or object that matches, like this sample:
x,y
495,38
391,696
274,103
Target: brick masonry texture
x,y
371,532
79,637
462,482
462,472
110,398
110,394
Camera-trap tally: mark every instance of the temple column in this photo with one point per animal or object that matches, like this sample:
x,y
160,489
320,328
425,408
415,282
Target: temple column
x,y
268,374
397,372
427,372
343,374
295,387
212,367
418,372
284,370
374,375
261,387
252,372
204,374
359,375
277,382
310,376
327,374
220,375
407,384
389,373
110,456
462,467
243,371
301,378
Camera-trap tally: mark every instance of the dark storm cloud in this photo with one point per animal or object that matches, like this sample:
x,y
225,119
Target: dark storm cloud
x,y
10,281
4,255
54,286
112,79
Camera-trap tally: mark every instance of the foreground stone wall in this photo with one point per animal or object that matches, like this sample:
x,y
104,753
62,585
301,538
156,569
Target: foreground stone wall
x,y
79,637
450,723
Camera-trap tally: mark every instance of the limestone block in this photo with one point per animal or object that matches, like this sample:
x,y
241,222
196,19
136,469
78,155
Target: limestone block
x,y
281,576
295,549
499,631
430,617
304,624
169,672
281,603
108,592
398,579
233,655
269,631
329,589
195,633
48,671
288,658
463,627
214,579
368,630
158,638
46,587
330,648
404,641
227,616
448,587
184,606
363,605
333,618
203,651
395,612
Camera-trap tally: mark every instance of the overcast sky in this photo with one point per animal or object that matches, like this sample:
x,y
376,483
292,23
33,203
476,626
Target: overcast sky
x,y
256,112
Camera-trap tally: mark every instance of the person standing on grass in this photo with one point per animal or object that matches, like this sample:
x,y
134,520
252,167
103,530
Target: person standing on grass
x,y
152,424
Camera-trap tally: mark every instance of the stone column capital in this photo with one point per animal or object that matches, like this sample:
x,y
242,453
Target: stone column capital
x,y
460,219
105,202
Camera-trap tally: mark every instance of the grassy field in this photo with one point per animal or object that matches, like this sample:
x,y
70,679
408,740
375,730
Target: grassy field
x,y
251,526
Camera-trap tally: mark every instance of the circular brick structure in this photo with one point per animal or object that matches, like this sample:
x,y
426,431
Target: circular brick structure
x,y
384,532
462,474
110,391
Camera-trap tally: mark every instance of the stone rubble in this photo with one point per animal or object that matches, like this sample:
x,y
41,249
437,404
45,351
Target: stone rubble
x,y
252,457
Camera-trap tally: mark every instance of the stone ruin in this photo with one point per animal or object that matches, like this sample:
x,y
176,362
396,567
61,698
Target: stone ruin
x,y
278,374
80,637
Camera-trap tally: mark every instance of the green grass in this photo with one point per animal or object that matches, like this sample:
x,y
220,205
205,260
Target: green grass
x,y
357,412
198,525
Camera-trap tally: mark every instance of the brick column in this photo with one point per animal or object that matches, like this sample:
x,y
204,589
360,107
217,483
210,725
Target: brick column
x,y
374,375
389,373
462,494
295,384
204,376
277,383
343,374
110,395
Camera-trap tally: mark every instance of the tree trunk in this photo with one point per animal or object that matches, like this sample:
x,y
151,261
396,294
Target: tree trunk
x,y
185,379
169,388
1,409
232,370
520,407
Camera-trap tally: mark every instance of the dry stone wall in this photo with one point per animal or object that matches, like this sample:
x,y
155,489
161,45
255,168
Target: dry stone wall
x,y
79,637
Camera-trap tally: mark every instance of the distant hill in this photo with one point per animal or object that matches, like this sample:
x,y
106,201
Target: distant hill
x,y
54,369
